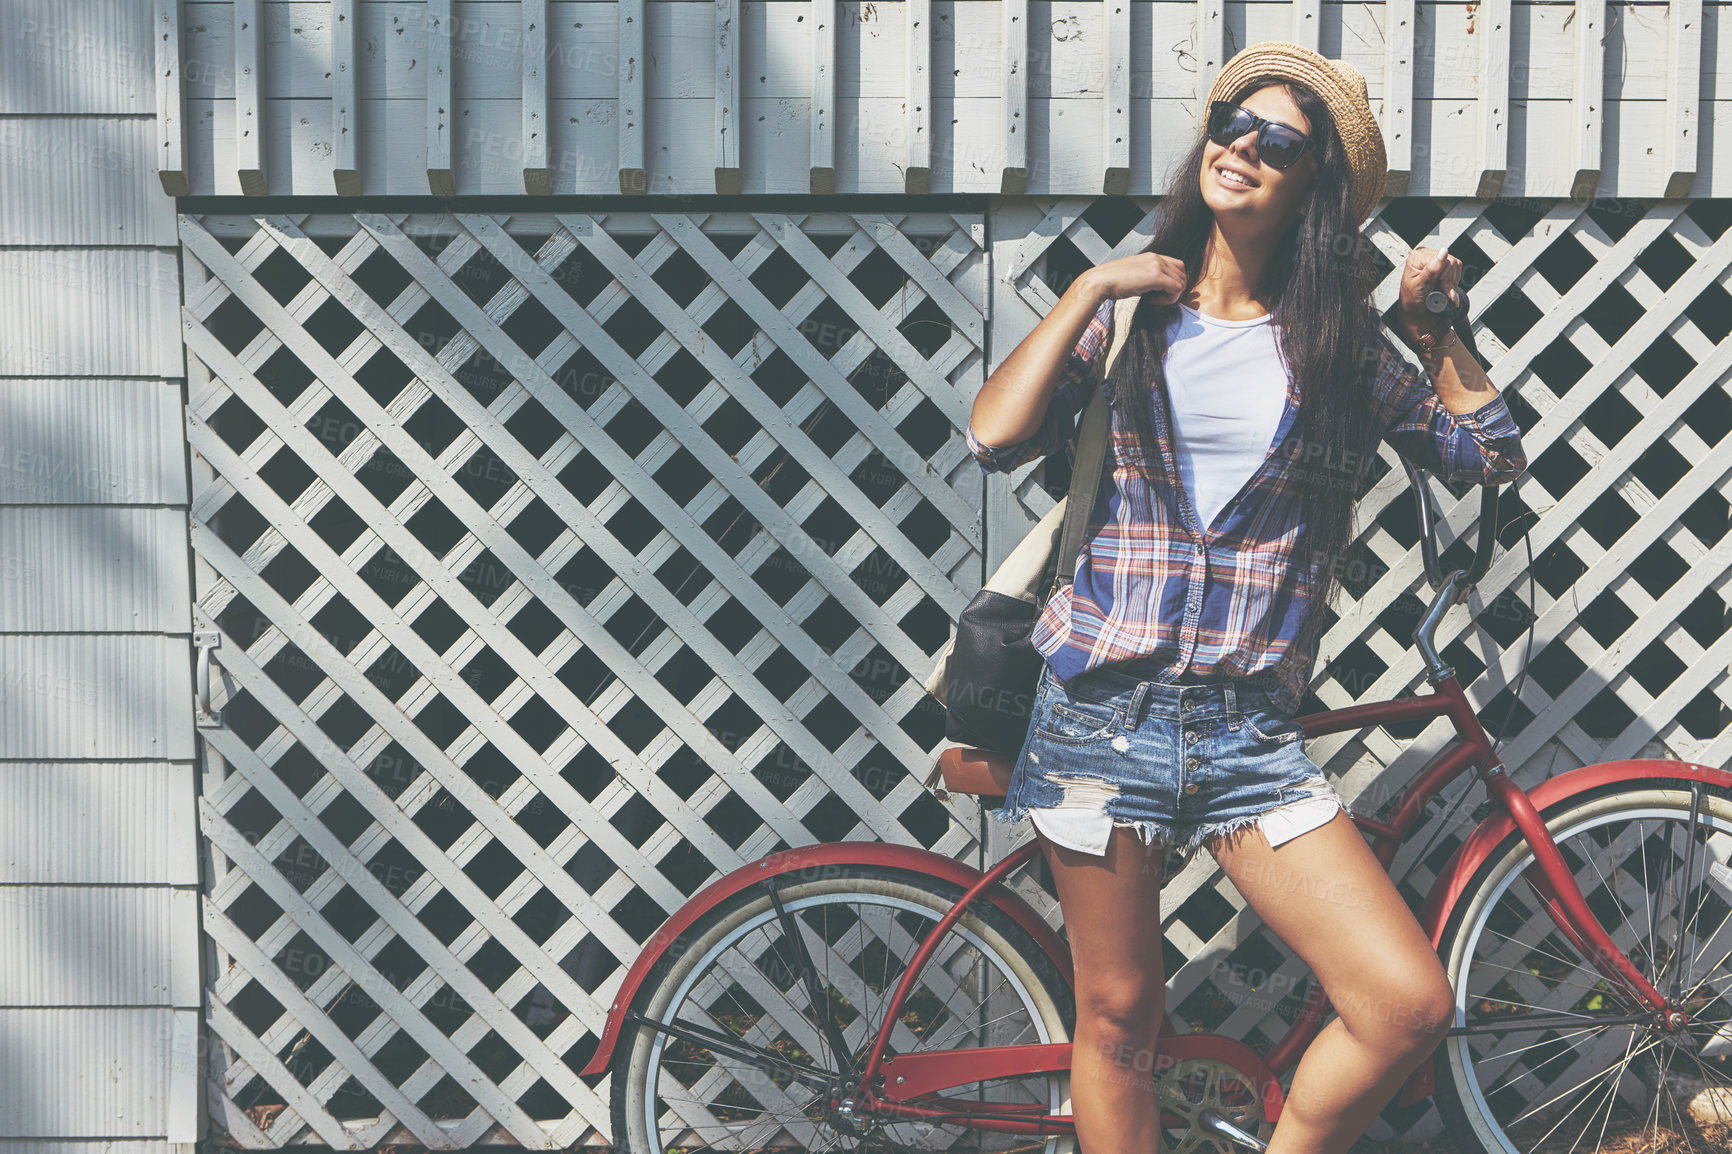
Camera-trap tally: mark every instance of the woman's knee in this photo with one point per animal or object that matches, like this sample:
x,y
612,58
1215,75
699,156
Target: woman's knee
x,y
1124,1004
1411,1010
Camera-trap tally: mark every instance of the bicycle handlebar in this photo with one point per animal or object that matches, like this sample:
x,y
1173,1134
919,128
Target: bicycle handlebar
x,y
1455,585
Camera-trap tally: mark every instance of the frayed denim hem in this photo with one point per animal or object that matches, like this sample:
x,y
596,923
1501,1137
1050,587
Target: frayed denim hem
x,y
1148,831
1230,830
1234,828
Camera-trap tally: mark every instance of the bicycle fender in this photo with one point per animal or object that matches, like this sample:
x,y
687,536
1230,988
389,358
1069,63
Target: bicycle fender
x,y
813,860
1452,883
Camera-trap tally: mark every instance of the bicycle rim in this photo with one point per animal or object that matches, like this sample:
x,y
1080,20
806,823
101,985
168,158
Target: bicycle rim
x,y
1589,1085
988,985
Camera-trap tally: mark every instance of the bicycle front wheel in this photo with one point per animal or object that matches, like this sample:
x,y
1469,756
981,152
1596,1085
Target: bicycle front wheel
x,y
1545,1065
735,1049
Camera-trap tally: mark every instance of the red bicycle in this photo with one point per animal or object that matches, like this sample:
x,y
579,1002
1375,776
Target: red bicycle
x,y
862,995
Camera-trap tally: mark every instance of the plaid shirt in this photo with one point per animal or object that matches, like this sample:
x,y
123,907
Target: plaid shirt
x,y
1166,596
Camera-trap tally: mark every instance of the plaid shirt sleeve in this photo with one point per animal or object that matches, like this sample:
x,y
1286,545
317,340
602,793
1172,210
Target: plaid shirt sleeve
x,y
1483,446
1076,378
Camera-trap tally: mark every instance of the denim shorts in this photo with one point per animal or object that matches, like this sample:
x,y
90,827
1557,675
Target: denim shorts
x,y
1181,763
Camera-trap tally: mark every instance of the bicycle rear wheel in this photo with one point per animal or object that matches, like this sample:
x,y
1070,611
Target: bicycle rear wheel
x,y
733,1052
1584,1082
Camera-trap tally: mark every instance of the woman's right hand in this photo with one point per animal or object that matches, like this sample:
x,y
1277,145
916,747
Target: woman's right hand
x,y
1013,401
1137,274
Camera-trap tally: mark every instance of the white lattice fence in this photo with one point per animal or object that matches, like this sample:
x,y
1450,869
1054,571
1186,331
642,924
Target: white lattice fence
x,y
558,564
563,562
1605,325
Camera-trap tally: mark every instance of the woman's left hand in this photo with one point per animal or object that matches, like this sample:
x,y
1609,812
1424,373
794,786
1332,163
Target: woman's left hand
x,y
1426,268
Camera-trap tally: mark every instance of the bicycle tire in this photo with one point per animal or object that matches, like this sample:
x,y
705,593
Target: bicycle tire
x,y
1616,840
744,927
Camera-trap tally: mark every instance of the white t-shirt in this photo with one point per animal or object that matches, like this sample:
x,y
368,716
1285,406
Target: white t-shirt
x,y
1228,388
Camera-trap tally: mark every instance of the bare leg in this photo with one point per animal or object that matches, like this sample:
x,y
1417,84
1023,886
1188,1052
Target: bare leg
x,y
1112,915
1327,896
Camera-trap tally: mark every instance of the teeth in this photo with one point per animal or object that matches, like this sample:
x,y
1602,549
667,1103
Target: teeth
x,y
1229,174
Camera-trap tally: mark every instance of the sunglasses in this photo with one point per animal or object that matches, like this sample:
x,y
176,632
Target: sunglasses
x,y
1278,145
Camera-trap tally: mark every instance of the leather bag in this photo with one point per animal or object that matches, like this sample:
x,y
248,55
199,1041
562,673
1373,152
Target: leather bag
x,y
986,674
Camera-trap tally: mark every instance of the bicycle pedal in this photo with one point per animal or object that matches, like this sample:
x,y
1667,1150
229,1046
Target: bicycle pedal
x,y
1212,1122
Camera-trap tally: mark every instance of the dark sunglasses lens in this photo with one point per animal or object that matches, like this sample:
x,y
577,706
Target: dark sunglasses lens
x,y
1279,146
1227,123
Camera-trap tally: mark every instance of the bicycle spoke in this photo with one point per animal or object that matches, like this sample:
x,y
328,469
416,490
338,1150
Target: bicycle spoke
x,y
1623,1065
1689,964
1610,1098
1532,1071
1600,1139
1530,1006
1598,988
1552,1041
1573,963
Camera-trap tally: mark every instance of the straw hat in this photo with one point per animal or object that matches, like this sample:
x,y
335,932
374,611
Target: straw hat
x,y
1342,89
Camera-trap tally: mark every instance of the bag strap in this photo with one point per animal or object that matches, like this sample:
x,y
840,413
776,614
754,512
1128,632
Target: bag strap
x,y
1093,440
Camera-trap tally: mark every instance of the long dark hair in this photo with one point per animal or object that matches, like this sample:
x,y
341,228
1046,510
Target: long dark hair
x,y
1317,286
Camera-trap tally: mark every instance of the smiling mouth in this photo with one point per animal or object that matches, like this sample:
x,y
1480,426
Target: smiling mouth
x,y
1232,179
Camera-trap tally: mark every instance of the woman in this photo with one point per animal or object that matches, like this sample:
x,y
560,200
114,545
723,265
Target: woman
x,y
1262,379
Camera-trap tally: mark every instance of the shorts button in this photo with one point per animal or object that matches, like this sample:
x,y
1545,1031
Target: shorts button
x,y
1191,763
1191,738
1192,788
1188,706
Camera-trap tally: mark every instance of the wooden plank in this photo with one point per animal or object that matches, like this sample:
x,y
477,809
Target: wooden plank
x,y
631,72
140,814
170,103
248,105
77,1071
821,109
1212,50
1684,94
1308,23
917,165
1588,98
537,176
439,105
93,569
727,98
1116,102
1013,95
1397,103
345,127
1492,23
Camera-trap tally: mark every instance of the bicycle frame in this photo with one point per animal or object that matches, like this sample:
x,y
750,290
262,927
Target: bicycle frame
x,y
904,1085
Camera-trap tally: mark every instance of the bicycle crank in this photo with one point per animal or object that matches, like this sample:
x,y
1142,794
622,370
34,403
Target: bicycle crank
x,y
1212,1122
